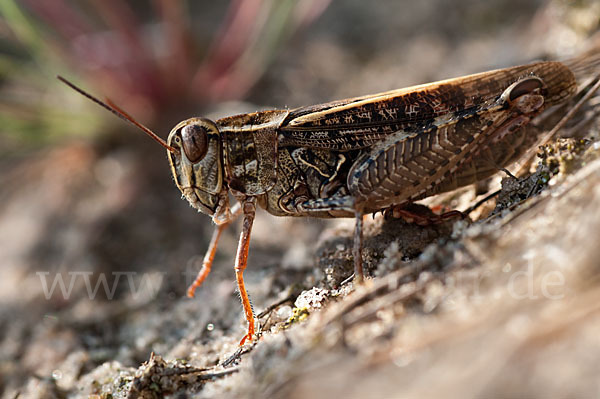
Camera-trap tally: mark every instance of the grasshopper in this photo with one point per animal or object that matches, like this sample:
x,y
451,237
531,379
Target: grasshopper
x,y
356,156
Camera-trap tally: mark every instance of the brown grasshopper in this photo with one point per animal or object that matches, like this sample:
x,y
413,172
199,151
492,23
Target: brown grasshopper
x,y
352,157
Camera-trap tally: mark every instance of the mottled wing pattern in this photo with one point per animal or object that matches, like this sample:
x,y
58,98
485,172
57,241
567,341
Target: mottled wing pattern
x,y
360,122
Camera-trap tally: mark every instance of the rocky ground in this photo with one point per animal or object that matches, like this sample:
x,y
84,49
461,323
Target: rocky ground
x,y
504,303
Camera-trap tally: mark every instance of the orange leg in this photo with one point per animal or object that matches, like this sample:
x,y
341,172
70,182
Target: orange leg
x,y
210,253
241,259
208,260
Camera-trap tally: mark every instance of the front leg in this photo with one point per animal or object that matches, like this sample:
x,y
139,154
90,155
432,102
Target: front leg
x,y
212,249
241,259
247,205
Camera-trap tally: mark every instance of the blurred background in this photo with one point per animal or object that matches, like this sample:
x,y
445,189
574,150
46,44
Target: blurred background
x,y
81,191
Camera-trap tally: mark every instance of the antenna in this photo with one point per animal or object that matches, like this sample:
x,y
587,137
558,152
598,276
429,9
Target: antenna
x,y
112,107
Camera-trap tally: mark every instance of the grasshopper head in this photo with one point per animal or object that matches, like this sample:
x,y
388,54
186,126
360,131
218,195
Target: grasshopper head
x,y
197,164
194,151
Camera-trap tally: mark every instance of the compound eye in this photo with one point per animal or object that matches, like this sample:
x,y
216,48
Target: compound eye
x,y
194,142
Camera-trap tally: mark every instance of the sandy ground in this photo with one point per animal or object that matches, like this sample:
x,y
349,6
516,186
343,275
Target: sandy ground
x,y
504,304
